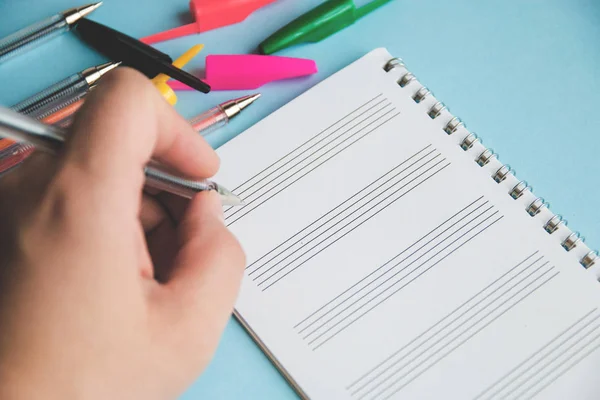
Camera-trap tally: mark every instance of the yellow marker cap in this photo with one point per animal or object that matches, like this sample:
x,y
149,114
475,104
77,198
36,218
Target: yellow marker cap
x,y
160,81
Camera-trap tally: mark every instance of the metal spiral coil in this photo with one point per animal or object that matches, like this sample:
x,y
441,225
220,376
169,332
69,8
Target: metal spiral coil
x,y
485,157
421,94
572,241
453,125
554,223
519,189
534,208
502,173
436,110
406,79
393,63
589,259
469,141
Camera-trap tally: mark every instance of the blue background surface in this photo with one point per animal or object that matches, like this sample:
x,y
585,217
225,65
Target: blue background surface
x,y
522,74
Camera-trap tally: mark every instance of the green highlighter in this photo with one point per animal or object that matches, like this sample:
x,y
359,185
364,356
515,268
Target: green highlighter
x,y
317,24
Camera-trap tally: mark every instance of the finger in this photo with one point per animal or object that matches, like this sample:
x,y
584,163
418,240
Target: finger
x,y
152,214
160,206
28,181
123,124
160,230
163,247
209,266
175,206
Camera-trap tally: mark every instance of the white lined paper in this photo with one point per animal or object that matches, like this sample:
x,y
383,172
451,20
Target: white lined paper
x,y
384,263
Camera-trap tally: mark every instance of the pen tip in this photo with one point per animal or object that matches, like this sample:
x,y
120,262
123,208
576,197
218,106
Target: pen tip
x,y
75,14
85,10
245,101
109,66
228,198
236,201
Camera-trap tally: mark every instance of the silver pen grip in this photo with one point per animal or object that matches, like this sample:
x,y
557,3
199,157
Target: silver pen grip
x,y
32,36
158,179
42,103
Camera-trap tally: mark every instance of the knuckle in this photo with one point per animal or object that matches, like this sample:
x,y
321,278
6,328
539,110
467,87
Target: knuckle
x,y
124,84
123,76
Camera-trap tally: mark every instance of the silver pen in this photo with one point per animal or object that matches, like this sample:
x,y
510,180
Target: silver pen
x,y
34,35
63,93
47,138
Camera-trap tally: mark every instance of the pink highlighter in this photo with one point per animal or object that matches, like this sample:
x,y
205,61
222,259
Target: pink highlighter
x,y
210,14
249,71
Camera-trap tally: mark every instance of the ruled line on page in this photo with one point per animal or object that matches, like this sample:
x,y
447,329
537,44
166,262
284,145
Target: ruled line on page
x,y
300,149
441,335
562,353
432,235
282,182
461,310
359,195
467,338
370,116
364,294
421,273
373,198
567,367
425,351
351,226
369,197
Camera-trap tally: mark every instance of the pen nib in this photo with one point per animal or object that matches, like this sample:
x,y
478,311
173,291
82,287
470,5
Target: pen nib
x,y
93,75
245,101
109,66
75,14
228,198
235,106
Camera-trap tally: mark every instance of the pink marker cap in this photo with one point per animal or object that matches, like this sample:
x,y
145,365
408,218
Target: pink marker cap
x,y
246,72
210,14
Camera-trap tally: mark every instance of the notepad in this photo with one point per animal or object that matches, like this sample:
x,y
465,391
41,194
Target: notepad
x,y
392,256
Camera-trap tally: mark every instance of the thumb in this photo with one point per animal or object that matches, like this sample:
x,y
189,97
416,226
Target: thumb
x,y
208,269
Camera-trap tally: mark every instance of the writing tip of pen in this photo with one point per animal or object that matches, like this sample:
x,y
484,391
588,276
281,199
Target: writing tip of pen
x,y
228,198
245,101
77,14
90,7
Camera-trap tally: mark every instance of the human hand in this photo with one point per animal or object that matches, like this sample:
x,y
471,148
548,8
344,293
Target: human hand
x,y
105,291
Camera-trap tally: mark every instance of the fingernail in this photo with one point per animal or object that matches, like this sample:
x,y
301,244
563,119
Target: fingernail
x,y
217,206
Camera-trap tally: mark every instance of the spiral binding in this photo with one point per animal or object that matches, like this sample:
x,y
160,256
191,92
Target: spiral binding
x,y
537,207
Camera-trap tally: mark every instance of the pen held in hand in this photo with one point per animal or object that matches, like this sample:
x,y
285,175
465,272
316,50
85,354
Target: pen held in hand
x,y
50,139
